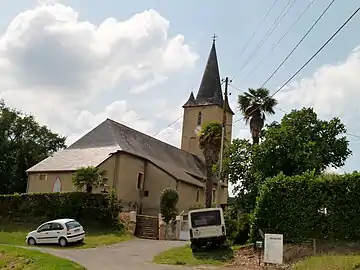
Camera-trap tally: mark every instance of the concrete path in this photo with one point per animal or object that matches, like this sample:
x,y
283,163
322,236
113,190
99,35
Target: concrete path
x,y
135,254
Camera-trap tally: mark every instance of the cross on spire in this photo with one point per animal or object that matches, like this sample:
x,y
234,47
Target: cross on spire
x,y
214,37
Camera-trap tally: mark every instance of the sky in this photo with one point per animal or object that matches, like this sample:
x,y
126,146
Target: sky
x,y
75,63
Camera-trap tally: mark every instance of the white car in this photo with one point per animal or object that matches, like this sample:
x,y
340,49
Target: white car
x,y
59,231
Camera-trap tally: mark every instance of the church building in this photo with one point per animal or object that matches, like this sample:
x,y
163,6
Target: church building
x,y
139,166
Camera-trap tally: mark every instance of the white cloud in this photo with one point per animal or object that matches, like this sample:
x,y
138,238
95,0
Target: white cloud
x,y
172,134
332,90
58,68
333,170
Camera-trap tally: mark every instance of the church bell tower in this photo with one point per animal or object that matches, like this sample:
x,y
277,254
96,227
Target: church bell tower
x,y
206,107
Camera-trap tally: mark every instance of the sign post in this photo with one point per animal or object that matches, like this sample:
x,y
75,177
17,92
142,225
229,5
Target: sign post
x,y
274,249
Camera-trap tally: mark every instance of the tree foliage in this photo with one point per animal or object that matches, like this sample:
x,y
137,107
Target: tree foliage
x,y
310,206
300,142
237,225
210,144
254,106
238,168
23,143
89,177
168,201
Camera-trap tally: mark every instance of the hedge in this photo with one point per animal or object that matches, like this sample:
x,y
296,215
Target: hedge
x,y
294,206
90,209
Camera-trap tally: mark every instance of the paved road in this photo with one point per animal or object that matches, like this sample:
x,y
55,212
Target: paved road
x,y
135,254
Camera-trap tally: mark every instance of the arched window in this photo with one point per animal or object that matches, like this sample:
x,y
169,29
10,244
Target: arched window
x,y
199,119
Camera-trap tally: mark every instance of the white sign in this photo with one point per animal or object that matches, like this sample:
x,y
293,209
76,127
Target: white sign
x,y
273,252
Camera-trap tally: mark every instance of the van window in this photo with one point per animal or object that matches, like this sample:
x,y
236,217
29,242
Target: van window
x,y
206,218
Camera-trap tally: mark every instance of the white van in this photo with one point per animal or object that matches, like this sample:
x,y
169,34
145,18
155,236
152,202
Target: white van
x,y
207,228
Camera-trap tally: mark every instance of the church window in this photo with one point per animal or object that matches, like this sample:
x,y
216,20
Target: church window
x,y
197,195
199,119
42,176
139,184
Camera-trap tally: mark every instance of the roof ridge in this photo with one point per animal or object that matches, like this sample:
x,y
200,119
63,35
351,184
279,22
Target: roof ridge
x,y
109,121
153,138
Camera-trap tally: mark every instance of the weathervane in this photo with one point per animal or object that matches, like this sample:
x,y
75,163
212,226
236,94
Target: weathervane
x,y
214,37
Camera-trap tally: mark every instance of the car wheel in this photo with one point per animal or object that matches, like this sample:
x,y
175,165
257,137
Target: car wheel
x,y
31,241
63,242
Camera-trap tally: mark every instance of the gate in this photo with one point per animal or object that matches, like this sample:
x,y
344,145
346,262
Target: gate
x,y
147,227
184,228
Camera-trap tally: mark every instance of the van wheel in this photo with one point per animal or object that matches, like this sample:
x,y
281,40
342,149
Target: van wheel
x,y
63,242
194,248
31,241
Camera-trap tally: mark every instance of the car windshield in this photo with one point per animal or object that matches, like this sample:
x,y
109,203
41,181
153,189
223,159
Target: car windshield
x,y
72,225
206,218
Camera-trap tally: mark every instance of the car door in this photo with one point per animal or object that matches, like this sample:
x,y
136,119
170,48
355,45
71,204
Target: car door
x,y
42,235
55,232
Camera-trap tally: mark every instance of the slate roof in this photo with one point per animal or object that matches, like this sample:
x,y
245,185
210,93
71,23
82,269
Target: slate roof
x,y
110,137
210,92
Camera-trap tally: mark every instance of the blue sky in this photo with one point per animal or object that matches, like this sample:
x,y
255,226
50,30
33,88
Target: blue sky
x,y
233,22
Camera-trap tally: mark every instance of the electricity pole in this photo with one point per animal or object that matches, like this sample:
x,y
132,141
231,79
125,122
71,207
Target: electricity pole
x,y
223,132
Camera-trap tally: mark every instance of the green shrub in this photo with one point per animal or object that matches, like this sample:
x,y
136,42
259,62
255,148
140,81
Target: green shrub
x,y
91,209
294,206
168,200
237,225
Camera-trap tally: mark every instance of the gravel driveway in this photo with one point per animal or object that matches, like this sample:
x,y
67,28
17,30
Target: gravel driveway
x,y
135,254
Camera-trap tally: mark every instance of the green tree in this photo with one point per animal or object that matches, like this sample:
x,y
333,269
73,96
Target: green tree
x,y
240,173
254,106
89,177
168,200
23,143
210,143
301,142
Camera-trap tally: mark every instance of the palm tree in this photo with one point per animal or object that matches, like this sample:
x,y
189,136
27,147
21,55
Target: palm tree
x,y
255,105
210,143
89,177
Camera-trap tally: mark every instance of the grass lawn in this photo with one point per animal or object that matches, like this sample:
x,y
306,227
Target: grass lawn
x,y
184,256
343,262
14,234
26,259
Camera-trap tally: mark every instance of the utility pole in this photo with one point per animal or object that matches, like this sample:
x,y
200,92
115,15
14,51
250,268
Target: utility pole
x,y
223,132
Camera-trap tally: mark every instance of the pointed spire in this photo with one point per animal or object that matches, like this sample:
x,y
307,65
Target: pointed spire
x,y
210,92
210,86
191,100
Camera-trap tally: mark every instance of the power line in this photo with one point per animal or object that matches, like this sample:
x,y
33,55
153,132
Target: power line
x,y
275,24
300,41
349,134
284,111
256,30
279,41
312,57
177,119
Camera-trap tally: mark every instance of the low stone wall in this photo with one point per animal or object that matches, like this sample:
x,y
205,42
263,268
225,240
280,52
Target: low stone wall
x,y
129,221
